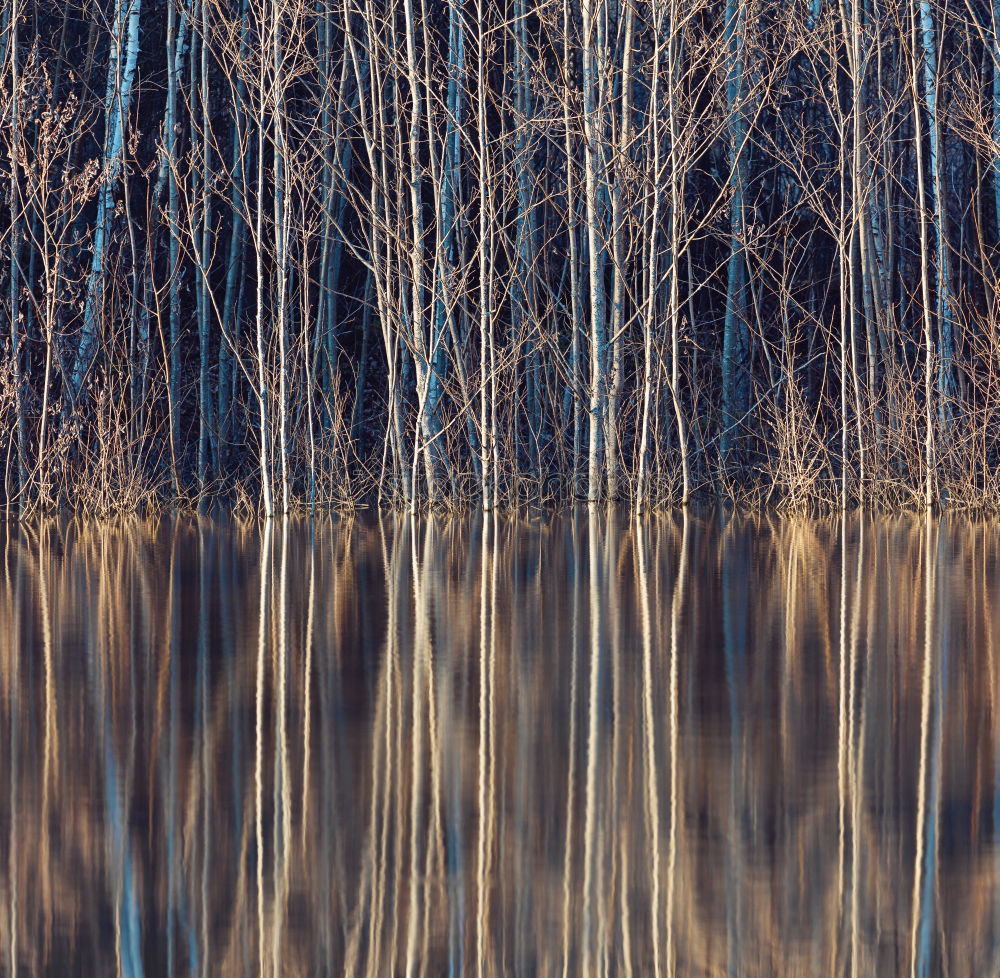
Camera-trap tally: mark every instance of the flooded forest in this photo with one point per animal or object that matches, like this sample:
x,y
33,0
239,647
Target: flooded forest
x,y
426,253
318,320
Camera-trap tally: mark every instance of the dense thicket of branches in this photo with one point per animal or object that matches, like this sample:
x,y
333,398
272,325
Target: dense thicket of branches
x,y
443,250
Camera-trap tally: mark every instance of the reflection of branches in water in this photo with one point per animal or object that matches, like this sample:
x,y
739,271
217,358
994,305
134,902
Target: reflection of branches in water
x,y
413,747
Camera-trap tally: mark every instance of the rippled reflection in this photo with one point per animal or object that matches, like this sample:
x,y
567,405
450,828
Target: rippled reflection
x,y
581,746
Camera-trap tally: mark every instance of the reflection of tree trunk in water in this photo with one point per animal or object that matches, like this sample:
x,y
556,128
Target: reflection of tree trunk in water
x,y
307,688
487,674
522,627
13,847
201,735
481,856
265,564
735,580
393,830
943,617
591,872
491,710
233,671
434,857
993,687
125,898
332,720
991,679
857,729
367,928
842,737
676,803
608,771
620,768
51,747
850,770
652,801
454,692
173,723
568,915
929,781
282,787
415,899
362,925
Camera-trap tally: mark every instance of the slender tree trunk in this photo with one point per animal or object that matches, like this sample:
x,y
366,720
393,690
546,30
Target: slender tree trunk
x,y
946,331
575,391
207,430
677,216
423,357
122,57
620,255
263,393
12,17
229,344
925,268
736,339
593,163
487,431
176,49
281,245
652,258
995,57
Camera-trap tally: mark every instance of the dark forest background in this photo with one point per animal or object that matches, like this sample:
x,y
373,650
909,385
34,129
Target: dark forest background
x,y
448,251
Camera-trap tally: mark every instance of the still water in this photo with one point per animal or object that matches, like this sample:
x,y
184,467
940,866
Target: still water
x,y
571,746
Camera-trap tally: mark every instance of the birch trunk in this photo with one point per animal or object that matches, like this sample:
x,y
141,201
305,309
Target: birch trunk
x,y
122,57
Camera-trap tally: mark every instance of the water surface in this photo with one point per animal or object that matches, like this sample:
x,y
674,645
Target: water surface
x,y
575,745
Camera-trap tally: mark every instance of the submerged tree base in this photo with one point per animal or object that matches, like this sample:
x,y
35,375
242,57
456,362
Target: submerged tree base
x,y
106,485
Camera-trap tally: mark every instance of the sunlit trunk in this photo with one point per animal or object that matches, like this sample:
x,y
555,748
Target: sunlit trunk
x,y
593,165
736,338
122,57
